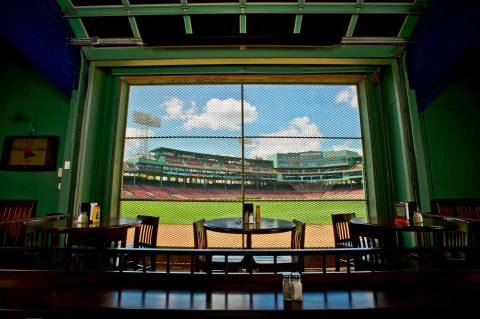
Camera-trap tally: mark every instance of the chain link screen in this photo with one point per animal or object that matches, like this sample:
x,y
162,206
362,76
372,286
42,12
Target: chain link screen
x,y
199,151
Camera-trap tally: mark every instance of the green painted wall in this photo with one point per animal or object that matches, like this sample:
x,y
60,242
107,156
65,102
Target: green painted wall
x,y
97,136
451,126
26,95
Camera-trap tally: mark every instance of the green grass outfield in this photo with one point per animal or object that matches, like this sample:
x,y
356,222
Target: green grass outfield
x,y
173,212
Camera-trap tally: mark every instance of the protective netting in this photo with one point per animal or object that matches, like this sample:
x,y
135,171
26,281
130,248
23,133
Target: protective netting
x,y
200,151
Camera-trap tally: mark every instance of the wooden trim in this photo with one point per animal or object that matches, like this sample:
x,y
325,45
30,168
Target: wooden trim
x,y
251,79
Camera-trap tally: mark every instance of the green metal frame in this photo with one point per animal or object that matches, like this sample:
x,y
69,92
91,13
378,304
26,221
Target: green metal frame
x,y
244,8
378,174
99,110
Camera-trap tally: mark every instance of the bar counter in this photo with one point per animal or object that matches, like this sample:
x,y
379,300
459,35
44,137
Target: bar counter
x,y
102,295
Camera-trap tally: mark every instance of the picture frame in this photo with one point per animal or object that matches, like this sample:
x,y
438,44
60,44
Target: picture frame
x,y
29,153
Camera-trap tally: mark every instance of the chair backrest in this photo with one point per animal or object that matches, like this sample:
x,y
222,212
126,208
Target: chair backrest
x,y
366,235
453,236
473,234
458,207
17,209
38,238
341,230
199,234
298,235
146,233
104,237
374,236
12,213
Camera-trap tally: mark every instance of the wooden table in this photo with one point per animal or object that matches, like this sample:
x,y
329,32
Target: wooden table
x,y
56,227
236,226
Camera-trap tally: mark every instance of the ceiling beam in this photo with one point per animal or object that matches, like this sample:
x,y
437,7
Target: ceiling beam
x,y
238,8
297,28
408,26
339,53
132,21
353,20
76,24
188,24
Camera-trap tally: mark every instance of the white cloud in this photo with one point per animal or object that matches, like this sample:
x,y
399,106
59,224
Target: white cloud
x,y
173,107
217,114
348,96
300,126
347,145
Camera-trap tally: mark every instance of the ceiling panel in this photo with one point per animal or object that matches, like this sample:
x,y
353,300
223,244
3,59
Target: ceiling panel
x,y
212,1
135,2
325,29
162,30
389,1
214,25
345,1
379,25
97,2
108,27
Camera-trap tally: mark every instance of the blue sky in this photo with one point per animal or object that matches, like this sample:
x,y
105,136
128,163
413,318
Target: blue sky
x,y
270,112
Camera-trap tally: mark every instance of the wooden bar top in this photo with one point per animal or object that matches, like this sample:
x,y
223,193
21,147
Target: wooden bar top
x,y
86,298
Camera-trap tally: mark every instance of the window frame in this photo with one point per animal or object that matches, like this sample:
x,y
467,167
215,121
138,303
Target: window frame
x,y
327,79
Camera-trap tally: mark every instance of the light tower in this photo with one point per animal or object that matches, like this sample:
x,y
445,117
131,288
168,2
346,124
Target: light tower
x,y
147,121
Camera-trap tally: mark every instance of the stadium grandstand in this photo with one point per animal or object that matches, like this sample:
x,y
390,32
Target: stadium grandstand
x,y
171,174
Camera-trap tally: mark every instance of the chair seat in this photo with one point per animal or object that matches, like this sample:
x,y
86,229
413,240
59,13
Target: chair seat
x,y
269,260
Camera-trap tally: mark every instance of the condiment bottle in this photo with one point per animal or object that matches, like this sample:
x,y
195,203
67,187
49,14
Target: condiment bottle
x,y
257,214
417,219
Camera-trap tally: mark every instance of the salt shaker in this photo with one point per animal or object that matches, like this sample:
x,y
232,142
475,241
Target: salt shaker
x,y
287,287
297,287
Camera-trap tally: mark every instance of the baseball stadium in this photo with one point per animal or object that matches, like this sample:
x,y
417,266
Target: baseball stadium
x,y
182,186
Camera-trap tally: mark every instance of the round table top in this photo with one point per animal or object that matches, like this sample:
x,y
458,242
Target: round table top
x,y
67,224
405,228
236,226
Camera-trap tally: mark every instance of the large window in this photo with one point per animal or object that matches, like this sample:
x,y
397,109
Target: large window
x,y
200,150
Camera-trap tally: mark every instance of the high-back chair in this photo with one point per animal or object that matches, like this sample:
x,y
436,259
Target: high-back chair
x,y
145,236
146,233
105,237
341,235
217,262
366,235
12,215
285,263
341,230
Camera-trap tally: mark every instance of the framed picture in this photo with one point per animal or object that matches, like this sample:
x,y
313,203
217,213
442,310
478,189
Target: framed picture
x,y
29,153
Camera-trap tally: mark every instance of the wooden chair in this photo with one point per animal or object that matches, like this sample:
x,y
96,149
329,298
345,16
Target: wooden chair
x,y
341,235
145,237
285,263
374,236
104,237
218,262
146,233
39,238
12,215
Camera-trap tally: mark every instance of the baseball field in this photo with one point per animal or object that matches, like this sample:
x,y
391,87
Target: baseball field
x,y
176,219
